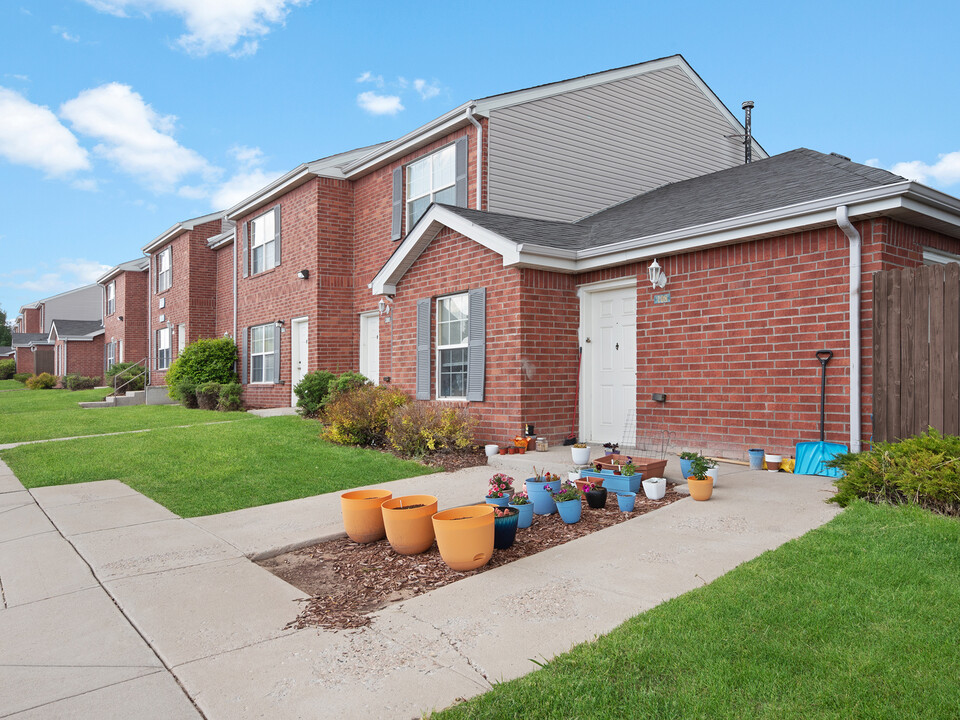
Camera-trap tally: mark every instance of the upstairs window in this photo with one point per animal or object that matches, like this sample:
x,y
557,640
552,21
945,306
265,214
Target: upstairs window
x,y
111,298
263,240
164,270
431,179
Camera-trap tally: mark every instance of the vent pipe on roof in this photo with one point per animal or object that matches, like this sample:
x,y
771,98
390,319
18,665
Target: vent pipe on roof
x,y
748,136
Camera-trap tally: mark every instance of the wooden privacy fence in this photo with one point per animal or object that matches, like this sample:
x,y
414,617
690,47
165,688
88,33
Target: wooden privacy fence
x,y
916,351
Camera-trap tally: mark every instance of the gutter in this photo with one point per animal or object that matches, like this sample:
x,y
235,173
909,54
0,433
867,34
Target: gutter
x,y
843,222
479,128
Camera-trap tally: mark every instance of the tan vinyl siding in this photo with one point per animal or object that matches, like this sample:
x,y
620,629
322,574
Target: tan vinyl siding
x,y
569,155
84,303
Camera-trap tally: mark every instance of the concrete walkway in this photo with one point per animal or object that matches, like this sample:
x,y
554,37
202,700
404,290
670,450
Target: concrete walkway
x,y
193,612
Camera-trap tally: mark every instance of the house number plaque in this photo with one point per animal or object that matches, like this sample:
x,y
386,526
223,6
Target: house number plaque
x,y
661,298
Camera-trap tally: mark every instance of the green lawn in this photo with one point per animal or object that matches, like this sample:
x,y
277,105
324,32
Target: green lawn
x,y
12,385
44,414
857,619
211,469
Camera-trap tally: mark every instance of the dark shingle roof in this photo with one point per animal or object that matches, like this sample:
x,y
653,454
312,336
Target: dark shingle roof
x,y
27,338
5,350
787,179
77,328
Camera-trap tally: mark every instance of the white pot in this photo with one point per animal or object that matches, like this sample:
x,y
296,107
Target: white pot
x,y
654,488
773,462
714,473
581,456
491,450
573,475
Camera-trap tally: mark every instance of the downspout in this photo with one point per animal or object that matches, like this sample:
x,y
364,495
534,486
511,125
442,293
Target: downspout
x,y
479,128
150,287
235,289
855,262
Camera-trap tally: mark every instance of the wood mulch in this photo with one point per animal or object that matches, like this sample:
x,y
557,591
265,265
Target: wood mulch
x,y
347,581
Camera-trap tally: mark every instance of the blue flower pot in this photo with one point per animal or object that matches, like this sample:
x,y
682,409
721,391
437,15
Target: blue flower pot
x,y
756,458
570,510
543,503
685,468
626,501
526,514
499,502
624,483
505,530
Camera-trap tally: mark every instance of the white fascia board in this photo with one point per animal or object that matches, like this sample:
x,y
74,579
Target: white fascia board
x,y
116,271
178,228
224,238
293,179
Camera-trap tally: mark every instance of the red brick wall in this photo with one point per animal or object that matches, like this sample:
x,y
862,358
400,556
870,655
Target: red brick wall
x,y
31,322
131,299
84,357
335,325
224,295
25,361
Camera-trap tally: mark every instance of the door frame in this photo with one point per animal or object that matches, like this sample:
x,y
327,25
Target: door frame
x,y
587,295
365,319
298,325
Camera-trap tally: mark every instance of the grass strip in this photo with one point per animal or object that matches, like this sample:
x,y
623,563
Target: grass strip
x,y
856,619
210,469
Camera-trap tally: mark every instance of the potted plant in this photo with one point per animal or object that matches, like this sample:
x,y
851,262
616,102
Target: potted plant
x,y
538,490
500,490
407,522
655,488
362,517
714,472
465,536
596,495
521,502
686,457
584,481
701,487
581,454
568,499
611,448
505,523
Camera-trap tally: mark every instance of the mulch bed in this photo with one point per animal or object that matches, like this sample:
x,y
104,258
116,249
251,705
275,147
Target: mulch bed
x,y
347,581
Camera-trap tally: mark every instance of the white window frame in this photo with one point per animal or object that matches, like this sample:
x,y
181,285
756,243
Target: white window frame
x,y
165,269
267,338
259,240
432,189
181,338
464,345
163,348
111,354
111,298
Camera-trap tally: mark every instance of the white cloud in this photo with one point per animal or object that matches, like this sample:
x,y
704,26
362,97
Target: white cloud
x,y
86,184
68,274
945,171
369,77
229,26
31,135
379,104
65,34
15,76
241,185
134,136
426,90
872,162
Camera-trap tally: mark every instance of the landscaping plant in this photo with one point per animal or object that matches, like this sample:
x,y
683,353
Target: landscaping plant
x,y
208,395
80,382
418,429
22,377
126,377
8,368
566,491
360,416
206,360
312,392
230,397
43,381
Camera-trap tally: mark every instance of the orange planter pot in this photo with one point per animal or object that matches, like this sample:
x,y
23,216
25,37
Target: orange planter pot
x,y
409,529
700,489
362,517
465,536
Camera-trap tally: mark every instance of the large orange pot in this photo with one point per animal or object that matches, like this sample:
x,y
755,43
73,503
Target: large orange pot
x,y
465,536
700,489
362,518
409,529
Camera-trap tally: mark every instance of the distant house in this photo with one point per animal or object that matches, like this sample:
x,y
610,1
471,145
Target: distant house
x,y
7,352
83,303
33,353
77,347
125,308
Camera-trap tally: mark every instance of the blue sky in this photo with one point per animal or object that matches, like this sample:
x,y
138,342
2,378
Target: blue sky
x,y
119,118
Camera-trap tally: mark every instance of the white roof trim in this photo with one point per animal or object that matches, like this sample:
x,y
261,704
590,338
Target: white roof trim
x,y
293,179
171,232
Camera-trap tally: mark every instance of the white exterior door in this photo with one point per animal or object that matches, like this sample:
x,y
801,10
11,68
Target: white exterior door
x,y
370,346
609,380
299,354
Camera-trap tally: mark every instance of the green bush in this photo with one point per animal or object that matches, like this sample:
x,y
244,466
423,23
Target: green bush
x,y
80,382
208,395
419,429
121,376
8,368
360,416
43,381
185,393
203,361
312,392
922,470
345,382
230,397
21,377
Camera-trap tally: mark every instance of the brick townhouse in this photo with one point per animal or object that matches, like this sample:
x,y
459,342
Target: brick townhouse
x,y
125,305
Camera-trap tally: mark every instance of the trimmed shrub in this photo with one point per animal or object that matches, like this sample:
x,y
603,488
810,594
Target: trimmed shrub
x,y
922,470
344,382
421,428
208,395
124,374
230,397
206,360
80,382
43,381
8,367
360,416
186,393
312,392
21,377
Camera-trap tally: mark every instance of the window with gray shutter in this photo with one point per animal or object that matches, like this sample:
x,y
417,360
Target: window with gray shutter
x,y
276,347
276,226
423,349
244,253
244,334
462,146
396,218
477,344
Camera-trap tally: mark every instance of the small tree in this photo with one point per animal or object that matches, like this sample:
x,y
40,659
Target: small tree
x,y
6,339
204,361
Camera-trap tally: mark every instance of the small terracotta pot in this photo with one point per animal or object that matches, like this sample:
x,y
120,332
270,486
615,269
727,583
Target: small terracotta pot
x,y
503,451
700,489
465,536
409,529
362,517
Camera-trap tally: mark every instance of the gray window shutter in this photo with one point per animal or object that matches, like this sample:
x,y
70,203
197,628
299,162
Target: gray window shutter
x,y
243,250
244,334
476,343
462,146
423,349
396,219
276,225
276,354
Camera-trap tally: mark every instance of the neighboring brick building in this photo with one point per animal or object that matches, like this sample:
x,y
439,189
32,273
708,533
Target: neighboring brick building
x,y
125,304
77,348
32,352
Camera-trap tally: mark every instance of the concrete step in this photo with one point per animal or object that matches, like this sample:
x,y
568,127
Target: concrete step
x,y
157,395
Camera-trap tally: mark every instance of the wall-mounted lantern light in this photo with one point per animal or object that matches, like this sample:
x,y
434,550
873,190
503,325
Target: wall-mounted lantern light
x,y
656,275
383,307
303,274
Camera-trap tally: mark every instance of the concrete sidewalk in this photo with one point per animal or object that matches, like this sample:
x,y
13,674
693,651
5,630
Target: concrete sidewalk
x,y
216,620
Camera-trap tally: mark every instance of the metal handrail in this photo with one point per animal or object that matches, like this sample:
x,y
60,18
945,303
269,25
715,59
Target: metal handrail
x,y
115,388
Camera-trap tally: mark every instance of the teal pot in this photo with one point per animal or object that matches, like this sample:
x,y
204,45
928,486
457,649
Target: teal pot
x,y
543,503
685,468
623,483
570,510
499,502
526,514
626,501
505,529
756,458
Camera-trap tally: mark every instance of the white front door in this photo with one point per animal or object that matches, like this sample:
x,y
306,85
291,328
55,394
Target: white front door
x,y
299,353
609,381
370,346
